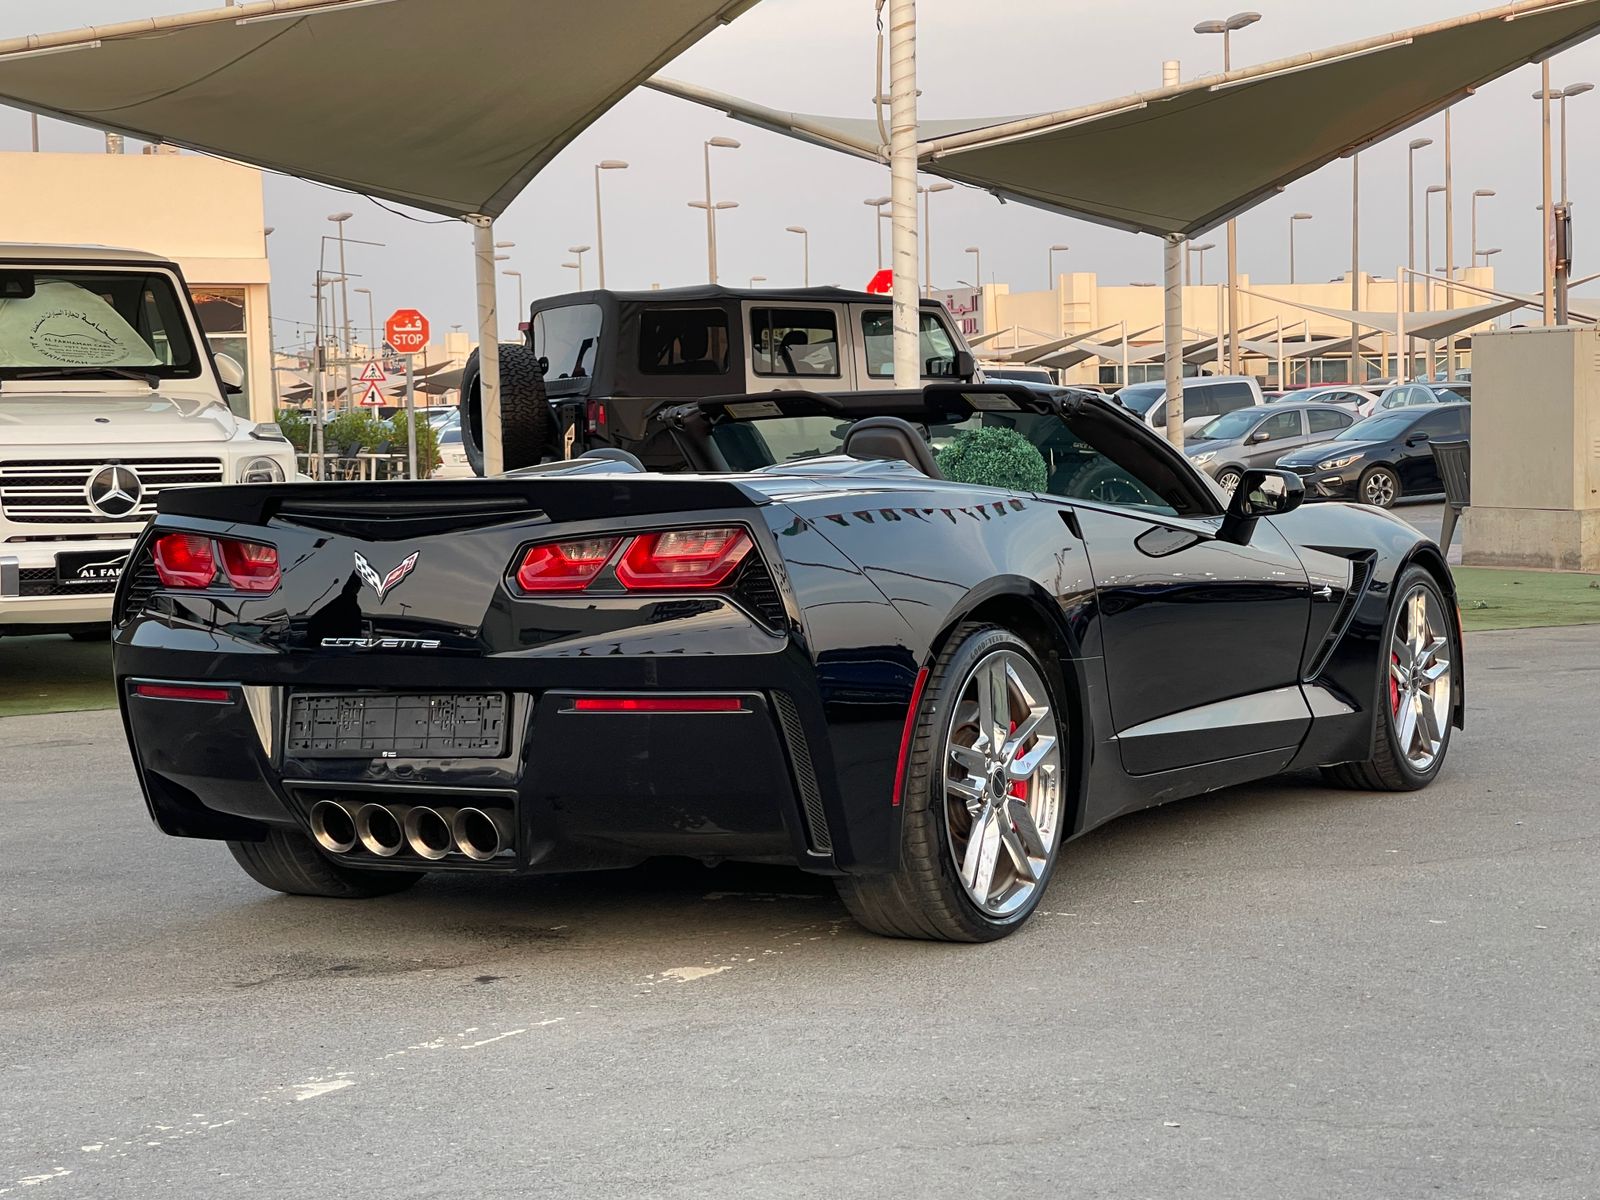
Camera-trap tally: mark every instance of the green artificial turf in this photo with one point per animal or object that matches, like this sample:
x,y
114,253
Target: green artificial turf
x,y
53,673
1498,598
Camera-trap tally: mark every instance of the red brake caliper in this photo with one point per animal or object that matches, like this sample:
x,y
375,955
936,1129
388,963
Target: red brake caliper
x,y
1394,684
1019,789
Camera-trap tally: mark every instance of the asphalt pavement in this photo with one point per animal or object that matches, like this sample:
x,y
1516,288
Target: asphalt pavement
x,y
1278,991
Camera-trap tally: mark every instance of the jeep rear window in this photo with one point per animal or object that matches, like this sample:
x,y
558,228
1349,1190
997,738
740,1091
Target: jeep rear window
x,y
568,338
683,341
71,320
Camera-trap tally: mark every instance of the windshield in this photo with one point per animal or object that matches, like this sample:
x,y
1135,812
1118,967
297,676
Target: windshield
x,y
1228,426
1141,396
1377,429
74,322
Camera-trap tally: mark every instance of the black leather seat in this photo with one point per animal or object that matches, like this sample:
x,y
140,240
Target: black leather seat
x,y
892,438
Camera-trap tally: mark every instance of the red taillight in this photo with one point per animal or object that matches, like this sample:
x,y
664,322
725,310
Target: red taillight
x,y
595,412
250,566
564,566
658,704
185,561
173,691
683,559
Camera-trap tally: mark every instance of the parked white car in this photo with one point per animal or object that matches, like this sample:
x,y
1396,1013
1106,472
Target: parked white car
x,y
109,394
1205,398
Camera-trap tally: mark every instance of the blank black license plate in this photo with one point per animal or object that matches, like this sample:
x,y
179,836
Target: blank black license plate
x,y
397,725
85,568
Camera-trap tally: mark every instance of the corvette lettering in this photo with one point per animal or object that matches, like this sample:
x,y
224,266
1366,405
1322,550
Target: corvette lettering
x,y
382,643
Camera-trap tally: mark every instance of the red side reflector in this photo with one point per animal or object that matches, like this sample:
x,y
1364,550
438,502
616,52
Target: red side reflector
x,y
184,560
905,735
564,566
250,566
658,704
178,691
683,559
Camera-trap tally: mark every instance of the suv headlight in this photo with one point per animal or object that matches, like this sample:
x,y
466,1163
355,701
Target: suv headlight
x,y
1334,464
261,470
1203,458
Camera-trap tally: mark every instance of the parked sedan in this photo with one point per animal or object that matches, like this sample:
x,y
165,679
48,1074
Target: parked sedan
x,y
1417,395
1257,437
1363,400
1383,458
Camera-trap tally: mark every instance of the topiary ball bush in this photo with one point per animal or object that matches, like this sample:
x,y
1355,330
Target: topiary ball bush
x,y
995,457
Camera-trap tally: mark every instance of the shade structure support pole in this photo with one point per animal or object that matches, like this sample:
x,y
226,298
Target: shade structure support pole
x,y
1356,374
1402,344
1173,339
1235,359
1449,243
488,342
903,173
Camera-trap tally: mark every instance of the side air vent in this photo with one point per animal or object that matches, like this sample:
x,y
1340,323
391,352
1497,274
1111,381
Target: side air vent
x,y
1360,577
752,586
805,773
142,584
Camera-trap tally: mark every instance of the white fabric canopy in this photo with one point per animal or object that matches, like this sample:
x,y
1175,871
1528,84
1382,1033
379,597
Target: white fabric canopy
x,y
1152,162
1422,326
445,106
1030,354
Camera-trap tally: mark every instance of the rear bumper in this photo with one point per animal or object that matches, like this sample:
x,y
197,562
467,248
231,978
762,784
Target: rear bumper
x,y
578,789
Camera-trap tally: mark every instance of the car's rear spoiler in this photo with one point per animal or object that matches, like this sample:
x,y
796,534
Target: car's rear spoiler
x,y
375,509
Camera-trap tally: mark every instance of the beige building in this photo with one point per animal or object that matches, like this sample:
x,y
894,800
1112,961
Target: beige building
x,y
1081,304
205,214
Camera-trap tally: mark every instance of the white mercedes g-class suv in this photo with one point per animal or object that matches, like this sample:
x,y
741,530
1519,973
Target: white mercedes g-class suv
x,y
109,392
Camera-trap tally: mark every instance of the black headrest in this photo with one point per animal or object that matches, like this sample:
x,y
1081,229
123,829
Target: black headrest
x,y
891,438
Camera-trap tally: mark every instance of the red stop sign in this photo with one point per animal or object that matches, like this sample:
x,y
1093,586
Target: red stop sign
x,y
406,331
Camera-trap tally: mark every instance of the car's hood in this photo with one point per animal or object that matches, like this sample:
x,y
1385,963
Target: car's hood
x,y
1307,455
78,419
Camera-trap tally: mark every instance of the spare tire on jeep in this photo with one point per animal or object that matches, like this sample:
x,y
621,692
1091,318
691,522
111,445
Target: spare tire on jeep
x,y
528,426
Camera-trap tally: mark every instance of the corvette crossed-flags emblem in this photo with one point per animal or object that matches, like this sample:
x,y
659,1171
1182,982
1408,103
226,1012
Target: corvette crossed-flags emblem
x,y
390,581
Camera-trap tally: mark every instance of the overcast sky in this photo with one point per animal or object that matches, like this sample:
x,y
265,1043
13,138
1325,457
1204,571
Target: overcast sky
x,y
1004,56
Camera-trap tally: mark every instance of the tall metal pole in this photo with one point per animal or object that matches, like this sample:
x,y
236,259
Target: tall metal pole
x,y
411,420
1234,361
488,342
1291,251
599,232
711,222
1355,265
903,171
1548,249
1449,243
1172,337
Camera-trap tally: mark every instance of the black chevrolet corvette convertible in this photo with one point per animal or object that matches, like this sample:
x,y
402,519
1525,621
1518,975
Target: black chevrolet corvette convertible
x,y
812,647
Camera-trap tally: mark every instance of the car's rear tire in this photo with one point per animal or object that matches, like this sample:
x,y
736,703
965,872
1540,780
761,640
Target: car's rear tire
x,y
527,423
1411,732
1228,479
1379,487
975,825
286,860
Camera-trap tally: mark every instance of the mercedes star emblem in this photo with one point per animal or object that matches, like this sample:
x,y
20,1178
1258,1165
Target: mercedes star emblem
x,y
114,490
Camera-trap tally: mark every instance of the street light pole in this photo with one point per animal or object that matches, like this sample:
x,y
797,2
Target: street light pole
x,y
1427,251
722,143
927,236
755,279
339,219
607,164
580,251
1227,28
1054,250
521,311
1199,253
977,265
876,204
1299,216
805,251
1449,243
1411,217
372,322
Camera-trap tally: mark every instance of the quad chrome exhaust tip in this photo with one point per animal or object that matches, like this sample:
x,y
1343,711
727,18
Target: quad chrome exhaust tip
x,y
379,830
480,834
333,827
427,832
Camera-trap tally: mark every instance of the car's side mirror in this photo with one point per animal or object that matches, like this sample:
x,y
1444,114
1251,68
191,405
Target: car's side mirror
x,y
1262,492
231,374
1416,439
965,366
1259,435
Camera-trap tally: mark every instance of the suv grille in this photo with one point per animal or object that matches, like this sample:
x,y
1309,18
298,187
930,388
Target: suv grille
x,y
56,491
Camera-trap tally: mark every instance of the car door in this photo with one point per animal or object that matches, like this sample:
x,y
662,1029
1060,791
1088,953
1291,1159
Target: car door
x,y
1274,437
1202,639
1419,473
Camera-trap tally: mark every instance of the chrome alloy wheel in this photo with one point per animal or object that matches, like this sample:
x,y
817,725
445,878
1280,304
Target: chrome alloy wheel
x,y
1379,489
1002,782
1419,677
